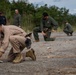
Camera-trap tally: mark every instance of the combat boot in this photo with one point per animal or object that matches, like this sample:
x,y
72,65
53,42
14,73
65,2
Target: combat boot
x,y
31,54
67,34
11,55
18,58
36,40
71,33
50,39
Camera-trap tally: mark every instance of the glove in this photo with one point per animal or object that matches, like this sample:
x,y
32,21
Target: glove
x,y
44,34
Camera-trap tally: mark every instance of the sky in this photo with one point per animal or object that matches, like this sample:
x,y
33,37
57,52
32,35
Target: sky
x,y
68,4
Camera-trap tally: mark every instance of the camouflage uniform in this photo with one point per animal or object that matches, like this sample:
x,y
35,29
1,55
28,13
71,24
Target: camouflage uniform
x,y
19,40
46,26
68,29
17,20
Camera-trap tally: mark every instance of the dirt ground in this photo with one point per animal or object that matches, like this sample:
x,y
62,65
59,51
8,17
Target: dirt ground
x,y
53,58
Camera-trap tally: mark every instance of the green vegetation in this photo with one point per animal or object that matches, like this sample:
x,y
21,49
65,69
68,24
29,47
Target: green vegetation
x,y
31,14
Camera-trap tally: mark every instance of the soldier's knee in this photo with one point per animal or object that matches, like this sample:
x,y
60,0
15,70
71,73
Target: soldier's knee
x,y
34,29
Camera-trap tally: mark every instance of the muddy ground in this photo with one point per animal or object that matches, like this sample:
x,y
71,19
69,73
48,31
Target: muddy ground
x,y
53,58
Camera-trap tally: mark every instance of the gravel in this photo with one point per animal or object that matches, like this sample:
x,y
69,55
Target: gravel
x,y
53,58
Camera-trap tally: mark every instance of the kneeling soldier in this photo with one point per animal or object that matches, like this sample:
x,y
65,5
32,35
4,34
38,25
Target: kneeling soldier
x,y
19,40
68,29
46,26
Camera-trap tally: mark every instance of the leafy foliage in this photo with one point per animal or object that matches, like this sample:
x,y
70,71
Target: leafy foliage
x,y
31,14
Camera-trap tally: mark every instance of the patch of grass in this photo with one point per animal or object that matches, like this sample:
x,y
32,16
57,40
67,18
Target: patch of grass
x,y
60,29
74,28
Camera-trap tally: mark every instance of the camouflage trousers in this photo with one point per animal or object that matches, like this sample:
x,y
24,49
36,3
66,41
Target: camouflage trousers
x,y
47,31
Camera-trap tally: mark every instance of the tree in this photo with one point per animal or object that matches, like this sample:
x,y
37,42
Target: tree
x,y
31,14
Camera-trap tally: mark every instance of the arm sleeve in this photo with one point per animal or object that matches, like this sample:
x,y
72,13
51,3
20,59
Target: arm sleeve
x,y
19,20
66,26
5,41
54,24
41,25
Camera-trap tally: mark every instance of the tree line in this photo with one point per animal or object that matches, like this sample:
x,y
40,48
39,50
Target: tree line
x,y
31,14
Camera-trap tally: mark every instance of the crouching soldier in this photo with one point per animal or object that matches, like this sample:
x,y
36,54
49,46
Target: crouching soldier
x,y
68,29
47,24
19,40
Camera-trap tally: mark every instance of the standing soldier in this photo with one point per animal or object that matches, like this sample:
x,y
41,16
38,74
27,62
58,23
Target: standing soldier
x,y
68,29
19,40
0,18
3,18
2,22
17,18
47,23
